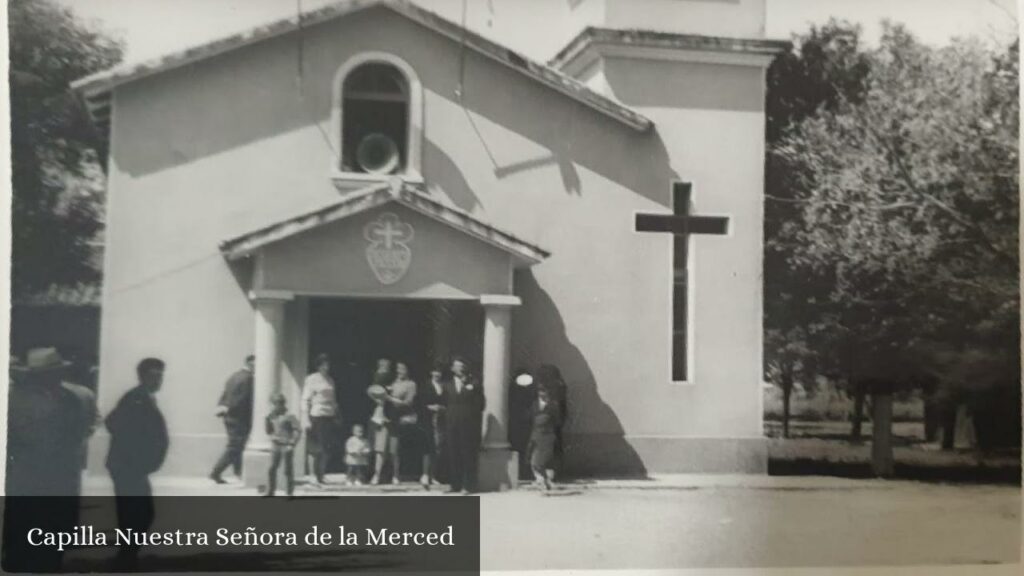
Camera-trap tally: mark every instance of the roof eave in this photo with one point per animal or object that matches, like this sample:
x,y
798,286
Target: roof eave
x,y
592,36
102,83
247,244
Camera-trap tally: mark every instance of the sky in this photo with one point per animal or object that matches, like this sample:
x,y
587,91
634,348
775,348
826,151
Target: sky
x,y
155,27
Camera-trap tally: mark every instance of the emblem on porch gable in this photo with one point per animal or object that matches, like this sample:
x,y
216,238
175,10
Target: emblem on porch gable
x,y
388,254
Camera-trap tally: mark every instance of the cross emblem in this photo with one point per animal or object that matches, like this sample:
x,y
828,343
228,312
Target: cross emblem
x,y
388,231
388,253
681,224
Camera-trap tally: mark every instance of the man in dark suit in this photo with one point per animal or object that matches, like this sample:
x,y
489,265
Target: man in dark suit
x,y
464,422
235,407
138,446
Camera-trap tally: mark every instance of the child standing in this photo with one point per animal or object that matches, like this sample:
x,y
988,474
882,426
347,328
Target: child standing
x,y
357,455
284,431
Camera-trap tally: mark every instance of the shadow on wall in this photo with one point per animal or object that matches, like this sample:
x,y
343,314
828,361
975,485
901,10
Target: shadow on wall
x,y
572,134
601,448
446,175
262,106
242,271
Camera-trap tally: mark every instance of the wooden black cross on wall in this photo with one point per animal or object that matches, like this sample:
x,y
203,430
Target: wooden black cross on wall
x,y
681,224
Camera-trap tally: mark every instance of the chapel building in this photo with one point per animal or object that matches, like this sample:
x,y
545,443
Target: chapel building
x,y
377,180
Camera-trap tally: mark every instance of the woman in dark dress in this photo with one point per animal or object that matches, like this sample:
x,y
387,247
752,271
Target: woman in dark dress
x,y
550,377
522,393
433,405
545,417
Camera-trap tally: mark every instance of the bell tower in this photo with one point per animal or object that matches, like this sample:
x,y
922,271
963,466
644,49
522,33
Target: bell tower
x,y
696,69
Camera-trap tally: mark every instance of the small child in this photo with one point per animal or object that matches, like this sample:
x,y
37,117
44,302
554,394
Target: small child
x,y
357,455
284,431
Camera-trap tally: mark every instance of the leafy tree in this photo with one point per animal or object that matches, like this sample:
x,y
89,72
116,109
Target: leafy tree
x,y
827,66
57,186
906,208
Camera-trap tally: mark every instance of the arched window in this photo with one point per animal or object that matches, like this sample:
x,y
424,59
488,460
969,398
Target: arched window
x,y
375,120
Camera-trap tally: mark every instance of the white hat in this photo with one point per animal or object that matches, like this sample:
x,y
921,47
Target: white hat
x,y
41,360
524,380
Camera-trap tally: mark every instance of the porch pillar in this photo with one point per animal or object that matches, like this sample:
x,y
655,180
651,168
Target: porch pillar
x,y
499,468
269,351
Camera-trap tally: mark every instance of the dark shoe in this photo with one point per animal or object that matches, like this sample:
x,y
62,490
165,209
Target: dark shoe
x,y
218,479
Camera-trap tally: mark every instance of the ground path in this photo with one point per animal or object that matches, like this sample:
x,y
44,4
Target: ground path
x,y
703,521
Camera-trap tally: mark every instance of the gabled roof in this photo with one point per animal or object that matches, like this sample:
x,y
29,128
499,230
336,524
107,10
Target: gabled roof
x,y
405,194
97,88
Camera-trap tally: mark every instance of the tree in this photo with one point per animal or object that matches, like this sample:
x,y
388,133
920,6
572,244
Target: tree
x,y
56,212
906,203
826,67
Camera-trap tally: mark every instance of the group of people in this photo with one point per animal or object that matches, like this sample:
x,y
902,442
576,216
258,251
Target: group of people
x,y
51,420
438,422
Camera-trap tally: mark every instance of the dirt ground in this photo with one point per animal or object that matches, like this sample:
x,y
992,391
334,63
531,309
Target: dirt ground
x,y
899,523
737,521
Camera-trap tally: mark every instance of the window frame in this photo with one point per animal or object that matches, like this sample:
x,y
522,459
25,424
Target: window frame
x,y
348,181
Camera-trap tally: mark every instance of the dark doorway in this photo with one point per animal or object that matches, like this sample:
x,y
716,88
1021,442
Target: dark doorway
x,y
355,333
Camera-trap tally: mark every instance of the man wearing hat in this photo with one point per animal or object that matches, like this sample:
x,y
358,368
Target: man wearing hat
x,y
46,427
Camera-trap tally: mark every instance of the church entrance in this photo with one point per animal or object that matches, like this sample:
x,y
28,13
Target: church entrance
x,y
355,333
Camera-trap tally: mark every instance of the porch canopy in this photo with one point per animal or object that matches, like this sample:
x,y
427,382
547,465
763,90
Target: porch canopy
x,y
391,240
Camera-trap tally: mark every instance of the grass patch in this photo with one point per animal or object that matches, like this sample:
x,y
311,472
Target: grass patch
x,y
815,456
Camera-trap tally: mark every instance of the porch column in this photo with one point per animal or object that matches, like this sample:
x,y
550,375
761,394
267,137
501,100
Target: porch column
x,y
269,351
498,463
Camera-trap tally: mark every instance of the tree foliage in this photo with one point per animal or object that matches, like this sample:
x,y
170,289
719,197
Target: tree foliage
x,y
899,208
57,184
828,66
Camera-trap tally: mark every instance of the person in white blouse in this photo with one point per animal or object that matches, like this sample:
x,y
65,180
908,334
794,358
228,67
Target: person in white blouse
x,y
319,412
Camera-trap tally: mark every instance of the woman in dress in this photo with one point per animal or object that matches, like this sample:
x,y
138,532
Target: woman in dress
x,y
319,412
404,421
550,377
522,393
433,400
380,423
545,417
